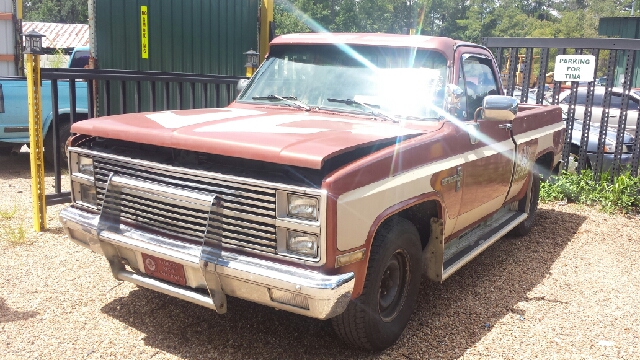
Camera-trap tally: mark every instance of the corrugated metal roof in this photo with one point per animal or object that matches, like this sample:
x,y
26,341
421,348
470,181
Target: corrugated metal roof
x,y
58,36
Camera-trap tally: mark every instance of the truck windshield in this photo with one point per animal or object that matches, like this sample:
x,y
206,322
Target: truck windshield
x,y
402,82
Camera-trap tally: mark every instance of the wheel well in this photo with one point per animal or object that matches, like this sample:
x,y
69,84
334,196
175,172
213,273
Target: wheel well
x,y
420,216
67,116
544,165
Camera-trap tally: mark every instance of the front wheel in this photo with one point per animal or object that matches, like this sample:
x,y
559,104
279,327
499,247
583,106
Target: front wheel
x,y
377,318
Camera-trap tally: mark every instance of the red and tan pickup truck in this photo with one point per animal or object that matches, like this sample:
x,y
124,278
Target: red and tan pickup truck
x,y
349,167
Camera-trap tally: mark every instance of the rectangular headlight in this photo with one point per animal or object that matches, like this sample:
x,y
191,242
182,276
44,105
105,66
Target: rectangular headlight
x,y
85,165
302,244
84,193
303,207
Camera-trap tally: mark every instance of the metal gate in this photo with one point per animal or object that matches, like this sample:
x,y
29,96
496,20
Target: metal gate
x,y
612,155
203,91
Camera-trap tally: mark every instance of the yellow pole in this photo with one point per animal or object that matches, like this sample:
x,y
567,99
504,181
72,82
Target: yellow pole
x,y
19,9
266,17
35,144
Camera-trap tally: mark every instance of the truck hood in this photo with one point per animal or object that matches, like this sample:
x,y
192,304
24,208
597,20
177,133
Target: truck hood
x,y
283,136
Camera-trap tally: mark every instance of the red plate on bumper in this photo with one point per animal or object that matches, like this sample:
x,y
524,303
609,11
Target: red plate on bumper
x,y
164,269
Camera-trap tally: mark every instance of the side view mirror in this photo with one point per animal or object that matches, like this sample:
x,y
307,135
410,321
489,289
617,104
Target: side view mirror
x,y
242,83
499,108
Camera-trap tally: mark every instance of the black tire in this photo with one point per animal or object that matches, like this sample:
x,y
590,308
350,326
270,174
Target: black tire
x,y
64,131
525,227
377,318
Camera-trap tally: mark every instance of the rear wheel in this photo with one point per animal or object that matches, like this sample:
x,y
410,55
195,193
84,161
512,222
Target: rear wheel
x,y
377,318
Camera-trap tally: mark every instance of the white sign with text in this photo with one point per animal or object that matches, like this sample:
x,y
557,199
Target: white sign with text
x,y
574,68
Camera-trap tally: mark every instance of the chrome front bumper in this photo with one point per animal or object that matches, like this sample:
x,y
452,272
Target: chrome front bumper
x,y
315,295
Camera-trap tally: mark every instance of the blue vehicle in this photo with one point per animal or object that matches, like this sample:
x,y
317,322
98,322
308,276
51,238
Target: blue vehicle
x,y
14,110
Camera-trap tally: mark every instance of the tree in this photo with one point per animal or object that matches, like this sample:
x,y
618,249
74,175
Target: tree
x,y
57,11
468,20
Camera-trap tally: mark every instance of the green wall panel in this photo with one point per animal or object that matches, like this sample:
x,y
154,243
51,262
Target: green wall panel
x,y
622,27
192,36
198,36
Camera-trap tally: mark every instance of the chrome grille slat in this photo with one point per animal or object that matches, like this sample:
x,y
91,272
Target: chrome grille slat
x,y
142,202
247,219
243,223
226,236
102,175
247,231
128,205
250,246
258,219
179,231
246,208
128,168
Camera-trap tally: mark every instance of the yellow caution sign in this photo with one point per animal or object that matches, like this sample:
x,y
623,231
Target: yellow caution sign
x,y
144,28
35,143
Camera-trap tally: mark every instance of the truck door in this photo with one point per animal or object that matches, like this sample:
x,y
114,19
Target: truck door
x,y
488,166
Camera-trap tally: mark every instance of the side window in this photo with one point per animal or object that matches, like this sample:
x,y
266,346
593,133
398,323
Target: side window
x,y
616,101
80,60
478,82
581,98
597,99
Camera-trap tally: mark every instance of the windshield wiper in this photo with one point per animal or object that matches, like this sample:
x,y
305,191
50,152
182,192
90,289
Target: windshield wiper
x,y
374,111
289,99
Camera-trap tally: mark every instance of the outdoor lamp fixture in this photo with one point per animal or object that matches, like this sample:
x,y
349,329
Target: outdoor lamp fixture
x,y
252,62
33,43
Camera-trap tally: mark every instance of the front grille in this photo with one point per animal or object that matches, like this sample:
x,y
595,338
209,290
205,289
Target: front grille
x,y
248,212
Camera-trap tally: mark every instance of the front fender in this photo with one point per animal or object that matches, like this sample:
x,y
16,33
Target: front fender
x,y
61,113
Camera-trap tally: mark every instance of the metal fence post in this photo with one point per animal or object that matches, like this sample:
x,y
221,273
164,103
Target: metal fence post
x,y
35,143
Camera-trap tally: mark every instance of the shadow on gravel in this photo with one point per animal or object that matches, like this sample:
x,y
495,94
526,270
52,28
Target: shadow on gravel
x,y
7,314
18,166
450,317
15,167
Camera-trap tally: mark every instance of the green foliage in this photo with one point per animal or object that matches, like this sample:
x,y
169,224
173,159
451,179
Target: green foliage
x,y
469,20
16,236
57,11
8,214
621,194
58,60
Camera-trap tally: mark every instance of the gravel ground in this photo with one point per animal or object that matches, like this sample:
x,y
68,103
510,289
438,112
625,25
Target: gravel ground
x,y
568,290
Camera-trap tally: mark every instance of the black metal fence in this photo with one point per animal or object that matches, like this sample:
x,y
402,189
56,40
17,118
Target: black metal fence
x,y
111,92
608,53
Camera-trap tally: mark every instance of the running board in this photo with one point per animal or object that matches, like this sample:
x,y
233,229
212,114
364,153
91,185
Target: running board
x,y
466,247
